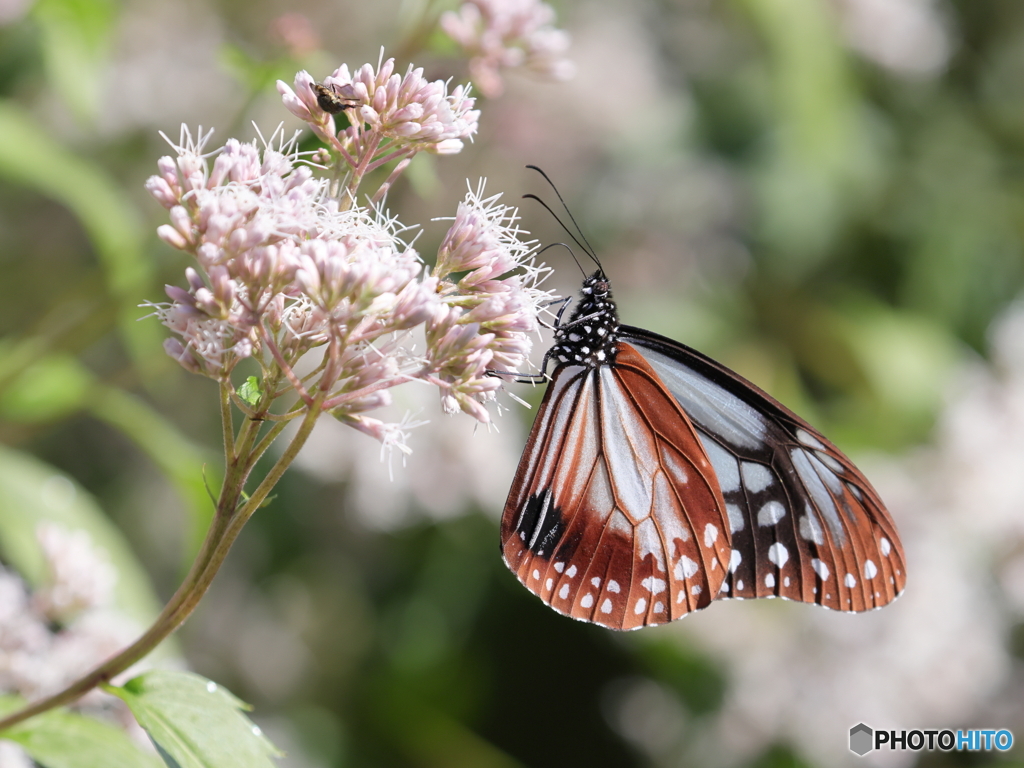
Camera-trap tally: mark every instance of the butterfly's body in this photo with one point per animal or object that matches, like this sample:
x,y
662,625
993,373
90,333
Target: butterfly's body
x,y
655,480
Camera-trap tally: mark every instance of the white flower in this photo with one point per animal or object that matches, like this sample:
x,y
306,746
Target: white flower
x,y
282,268
508,33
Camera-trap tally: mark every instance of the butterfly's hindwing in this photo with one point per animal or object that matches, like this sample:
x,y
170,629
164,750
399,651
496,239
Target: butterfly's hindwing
x,y
806,524
615,515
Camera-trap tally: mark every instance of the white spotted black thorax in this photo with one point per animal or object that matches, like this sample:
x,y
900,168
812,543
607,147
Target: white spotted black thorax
x,y
589,337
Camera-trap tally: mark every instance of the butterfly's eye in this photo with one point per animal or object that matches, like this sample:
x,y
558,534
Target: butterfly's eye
x,y
601,288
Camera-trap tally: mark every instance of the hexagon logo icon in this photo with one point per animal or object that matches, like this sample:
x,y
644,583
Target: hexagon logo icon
x,y
861,737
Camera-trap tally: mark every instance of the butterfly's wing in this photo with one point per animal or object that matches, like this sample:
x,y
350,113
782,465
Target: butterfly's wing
x,y
805,523
615,515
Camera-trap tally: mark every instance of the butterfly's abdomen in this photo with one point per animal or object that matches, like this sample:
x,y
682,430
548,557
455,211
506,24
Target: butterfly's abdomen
x,y
589,337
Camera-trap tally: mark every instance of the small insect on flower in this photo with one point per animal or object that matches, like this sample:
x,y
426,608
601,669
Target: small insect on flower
x,y
330,100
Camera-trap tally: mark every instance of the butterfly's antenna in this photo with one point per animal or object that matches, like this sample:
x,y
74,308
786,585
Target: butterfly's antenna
x,y
567,231
564,245
585,245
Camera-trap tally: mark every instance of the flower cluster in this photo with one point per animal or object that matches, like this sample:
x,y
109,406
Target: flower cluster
x,y
392,117
283,269
508,33
498,308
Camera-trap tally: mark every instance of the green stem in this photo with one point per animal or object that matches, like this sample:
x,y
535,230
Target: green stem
x,y
227,427
226,525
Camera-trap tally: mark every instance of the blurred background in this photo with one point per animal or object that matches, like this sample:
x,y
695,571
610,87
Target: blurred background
x,y
826,195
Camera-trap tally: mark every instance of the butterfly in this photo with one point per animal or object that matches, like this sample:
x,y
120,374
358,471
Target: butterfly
x,y
656,480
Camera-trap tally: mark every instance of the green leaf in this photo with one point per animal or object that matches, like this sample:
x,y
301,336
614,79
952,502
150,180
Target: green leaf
x,y
34,389
59,739
30,157
75,37
32,492
53,387
175,455
250,391
194,722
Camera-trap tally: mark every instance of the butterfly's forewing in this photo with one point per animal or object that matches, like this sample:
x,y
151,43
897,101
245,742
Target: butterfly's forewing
x,y
805,524
615,515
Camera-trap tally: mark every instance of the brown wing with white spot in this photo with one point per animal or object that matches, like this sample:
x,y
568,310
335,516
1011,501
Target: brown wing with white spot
x,y
804,523
615,515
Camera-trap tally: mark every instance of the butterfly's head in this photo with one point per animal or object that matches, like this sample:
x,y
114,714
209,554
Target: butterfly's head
x,y
596,286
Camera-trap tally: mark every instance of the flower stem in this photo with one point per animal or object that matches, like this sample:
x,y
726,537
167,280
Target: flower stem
x,y
368,151
227,524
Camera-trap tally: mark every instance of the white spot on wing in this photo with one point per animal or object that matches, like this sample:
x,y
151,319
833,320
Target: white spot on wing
x,y
685,568
770,513
613,586
769,580
830,462
820,568
641,604
734,560
564,591
596,581
666,512
870,569
620,524
536,573
650,542
778,554
710,535
736,519
677,470
811,530
654,585
850,580
827,475
885,546
559,567
548,583
606,606
807,438
571,572
726,467
587,601
756,477
659,607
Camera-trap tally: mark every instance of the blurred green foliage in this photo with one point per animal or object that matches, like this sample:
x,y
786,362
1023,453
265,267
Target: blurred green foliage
x,y
882,221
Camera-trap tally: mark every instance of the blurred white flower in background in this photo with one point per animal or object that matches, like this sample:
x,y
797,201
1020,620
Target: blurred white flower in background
x,y
908,37
500,34
69,624
454,467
